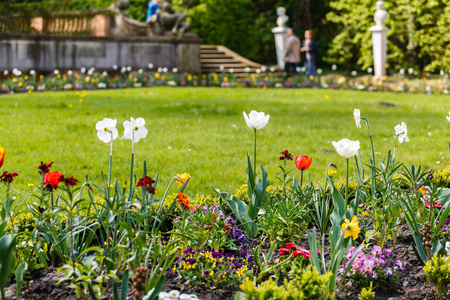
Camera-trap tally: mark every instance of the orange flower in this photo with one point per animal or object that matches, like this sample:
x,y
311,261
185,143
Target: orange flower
x,y
2,156
423,190
303,162
184,200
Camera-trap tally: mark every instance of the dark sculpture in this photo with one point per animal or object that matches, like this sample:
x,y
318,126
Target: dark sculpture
x,y
170,21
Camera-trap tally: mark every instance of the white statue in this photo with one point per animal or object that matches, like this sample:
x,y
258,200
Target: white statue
x,y
282,18
381,14
280,33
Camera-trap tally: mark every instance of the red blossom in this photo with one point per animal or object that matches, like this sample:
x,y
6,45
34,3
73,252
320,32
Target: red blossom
x,y
303,162
436,204
69,181
52,179
283,251
285,155
44,168
146,183
291,245
7,178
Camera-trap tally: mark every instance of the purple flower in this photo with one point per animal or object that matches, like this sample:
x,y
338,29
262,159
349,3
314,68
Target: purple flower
x,y
388,252
376,250
399,263
188,251
191,261
205,273
217,254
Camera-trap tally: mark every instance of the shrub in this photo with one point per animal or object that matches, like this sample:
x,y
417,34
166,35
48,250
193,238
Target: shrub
x,y
437,271
305,284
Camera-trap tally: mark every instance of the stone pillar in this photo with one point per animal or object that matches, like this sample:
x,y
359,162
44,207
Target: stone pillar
x,y
379,40
280,40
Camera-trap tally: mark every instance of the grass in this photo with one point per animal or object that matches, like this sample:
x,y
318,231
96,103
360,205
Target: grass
x,y
201,131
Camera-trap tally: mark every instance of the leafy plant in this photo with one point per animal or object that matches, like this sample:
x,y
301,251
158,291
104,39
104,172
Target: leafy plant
x,y
437,271
247,214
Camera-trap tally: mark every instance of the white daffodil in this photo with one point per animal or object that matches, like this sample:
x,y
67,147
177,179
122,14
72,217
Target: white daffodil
x,y
136,126
346,148
104,129
357,117
256,120
401,132
448,117
174,293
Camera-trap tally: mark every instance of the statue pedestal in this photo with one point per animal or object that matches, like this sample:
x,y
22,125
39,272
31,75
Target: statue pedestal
x,y
379,40
280,40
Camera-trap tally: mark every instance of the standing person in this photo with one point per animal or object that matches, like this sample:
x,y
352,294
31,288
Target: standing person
x,y
309,48
291,53
152,11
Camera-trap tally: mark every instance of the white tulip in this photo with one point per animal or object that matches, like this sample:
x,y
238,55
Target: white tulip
x,y
150,66
319,71
448,117
369,70
258,71
115,67
401,132
263,68
354,73
402,71
32,72
83,70
247,69
140,71
175,70
129,69
256,120
165,70
231,70
357,117
136,126
272,69
334,67
410,70
221,68
346,148
105,128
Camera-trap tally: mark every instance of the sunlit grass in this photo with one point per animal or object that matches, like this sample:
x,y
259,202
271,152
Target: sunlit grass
x,y
201,131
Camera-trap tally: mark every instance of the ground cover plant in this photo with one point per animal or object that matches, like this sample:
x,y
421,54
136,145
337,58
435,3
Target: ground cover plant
x,y
113,236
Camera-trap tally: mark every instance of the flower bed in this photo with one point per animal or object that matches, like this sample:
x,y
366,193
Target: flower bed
x,y
116,240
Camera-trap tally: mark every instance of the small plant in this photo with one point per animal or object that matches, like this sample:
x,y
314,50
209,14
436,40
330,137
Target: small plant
x,y
305,284
437,271
378,268
211,268
367,293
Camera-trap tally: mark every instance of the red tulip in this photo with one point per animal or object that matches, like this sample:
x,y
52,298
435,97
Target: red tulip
x,y
303,162
52,179
2,156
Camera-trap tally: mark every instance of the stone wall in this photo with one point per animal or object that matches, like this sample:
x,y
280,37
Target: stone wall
x,y
50,52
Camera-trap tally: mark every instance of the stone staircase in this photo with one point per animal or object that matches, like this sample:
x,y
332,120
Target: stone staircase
x,y
218,59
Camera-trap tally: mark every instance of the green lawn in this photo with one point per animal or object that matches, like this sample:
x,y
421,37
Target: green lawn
x,y
202,131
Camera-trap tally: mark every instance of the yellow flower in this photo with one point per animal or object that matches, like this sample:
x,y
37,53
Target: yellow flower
x,y
30,185
351,228
225,79
87,79
331,172
181,178
326,97
70,105
156,75
311,77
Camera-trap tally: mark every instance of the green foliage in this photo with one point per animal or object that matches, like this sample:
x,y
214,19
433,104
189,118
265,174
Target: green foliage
x,y
416,37
437,271
7,260
257,194
304,284
367,293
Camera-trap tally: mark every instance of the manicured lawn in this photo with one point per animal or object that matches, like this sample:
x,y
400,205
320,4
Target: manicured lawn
x,y
201,131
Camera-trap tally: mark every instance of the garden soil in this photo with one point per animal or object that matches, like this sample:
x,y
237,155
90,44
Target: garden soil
x,y
41,284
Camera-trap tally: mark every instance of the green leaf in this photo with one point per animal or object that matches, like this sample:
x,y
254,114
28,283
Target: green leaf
x,y
19,277
7,244
124,288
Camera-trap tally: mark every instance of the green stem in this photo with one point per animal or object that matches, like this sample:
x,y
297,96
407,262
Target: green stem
x,y
395,147
254,155
346,188
131,169
110,165
301,178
